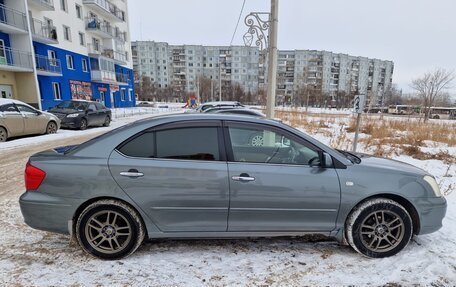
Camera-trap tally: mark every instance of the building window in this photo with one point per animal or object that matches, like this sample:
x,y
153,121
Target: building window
x,y
123,95
67,33
96,44
52,58
85,67
130,95
64,5
57,93
79,11
82,39
70,63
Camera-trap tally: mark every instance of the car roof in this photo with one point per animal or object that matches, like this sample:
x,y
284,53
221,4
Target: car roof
x,y
9,101
222,103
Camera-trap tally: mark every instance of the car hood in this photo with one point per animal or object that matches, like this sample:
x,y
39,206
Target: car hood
x,y
64,111
389,164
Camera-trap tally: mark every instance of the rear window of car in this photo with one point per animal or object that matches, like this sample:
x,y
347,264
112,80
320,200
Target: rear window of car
x,y
8,108
99,106
196,143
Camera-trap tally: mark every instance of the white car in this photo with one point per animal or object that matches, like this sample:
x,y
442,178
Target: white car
x,y
20,119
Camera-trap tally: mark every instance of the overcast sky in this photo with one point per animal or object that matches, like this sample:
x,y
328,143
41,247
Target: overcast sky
x,y
417,35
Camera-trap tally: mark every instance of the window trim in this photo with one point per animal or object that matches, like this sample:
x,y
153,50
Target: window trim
x,y
70,59
57,84
284,132
181,125
85,68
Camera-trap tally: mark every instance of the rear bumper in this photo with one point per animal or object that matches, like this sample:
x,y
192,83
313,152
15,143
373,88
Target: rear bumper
x,y
48,213
431,212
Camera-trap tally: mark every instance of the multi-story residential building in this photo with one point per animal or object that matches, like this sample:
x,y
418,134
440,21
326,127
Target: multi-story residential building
x,y
180,66
67,49
328,73
332,74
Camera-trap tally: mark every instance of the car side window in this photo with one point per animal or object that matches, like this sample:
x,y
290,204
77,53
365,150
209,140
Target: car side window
x,y
195,143
99,106
259,145
92,107
140,146
8,108
25,109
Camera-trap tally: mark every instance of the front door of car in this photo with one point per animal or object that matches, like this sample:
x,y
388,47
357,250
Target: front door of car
x,y
13,120
177,175
277,182
34,121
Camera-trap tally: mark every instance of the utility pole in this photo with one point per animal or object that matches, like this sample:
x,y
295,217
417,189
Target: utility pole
x,y
220,80
212,90
272,60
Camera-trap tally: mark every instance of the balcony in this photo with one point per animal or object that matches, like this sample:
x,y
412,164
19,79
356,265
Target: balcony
x,y
12,21
122,79
43,33
107,9
119,57
120,36
103,30
46,66
104,77
42,5
15,60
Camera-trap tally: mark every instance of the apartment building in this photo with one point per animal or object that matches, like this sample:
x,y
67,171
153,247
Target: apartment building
x,y
332,74
67,49
180,66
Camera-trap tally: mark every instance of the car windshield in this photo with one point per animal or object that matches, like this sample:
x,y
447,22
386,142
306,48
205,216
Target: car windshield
x,y
72,105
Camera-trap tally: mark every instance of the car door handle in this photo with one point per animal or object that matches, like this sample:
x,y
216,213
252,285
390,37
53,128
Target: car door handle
x,y
133,173
243,178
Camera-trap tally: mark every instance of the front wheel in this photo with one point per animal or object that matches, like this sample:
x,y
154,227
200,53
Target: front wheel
x,y
109,229
379,228
83,124
51,128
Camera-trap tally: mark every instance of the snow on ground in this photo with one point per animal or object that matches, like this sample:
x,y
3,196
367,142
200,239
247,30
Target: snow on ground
x,y
34,258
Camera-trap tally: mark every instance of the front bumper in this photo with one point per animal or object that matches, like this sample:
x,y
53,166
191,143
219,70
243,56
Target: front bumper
x,y
71,123
431,212
46,212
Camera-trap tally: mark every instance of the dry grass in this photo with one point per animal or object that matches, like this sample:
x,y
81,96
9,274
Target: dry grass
x,y
383,136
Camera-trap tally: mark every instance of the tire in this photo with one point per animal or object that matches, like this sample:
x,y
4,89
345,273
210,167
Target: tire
x,y
3,134
107,240
51,128
83,125
107,121
379,228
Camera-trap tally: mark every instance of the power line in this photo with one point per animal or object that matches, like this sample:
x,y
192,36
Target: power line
x,y
237,24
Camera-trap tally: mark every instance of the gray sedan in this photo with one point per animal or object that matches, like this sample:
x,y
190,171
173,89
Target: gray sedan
x,y
195,176
19,119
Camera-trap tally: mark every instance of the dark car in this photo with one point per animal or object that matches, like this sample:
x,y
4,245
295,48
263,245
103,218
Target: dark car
x,y
235,110
197,176
78,114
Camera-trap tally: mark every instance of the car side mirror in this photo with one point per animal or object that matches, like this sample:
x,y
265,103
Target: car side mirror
x,y
327,160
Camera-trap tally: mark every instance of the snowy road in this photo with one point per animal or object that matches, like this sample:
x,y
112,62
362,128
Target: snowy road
x,y
34,258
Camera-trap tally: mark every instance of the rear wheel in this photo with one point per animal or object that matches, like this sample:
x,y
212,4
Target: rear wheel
x,y
379,228
51,128
109,229
3,134
83,125
107,121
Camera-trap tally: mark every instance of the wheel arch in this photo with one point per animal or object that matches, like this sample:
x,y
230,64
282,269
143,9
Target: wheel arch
x,y
399,199
85,204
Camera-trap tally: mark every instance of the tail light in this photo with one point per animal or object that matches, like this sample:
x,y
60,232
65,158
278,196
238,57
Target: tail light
x,y
33,177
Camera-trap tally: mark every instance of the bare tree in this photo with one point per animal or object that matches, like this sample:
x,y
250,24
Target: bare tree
x,y
432,86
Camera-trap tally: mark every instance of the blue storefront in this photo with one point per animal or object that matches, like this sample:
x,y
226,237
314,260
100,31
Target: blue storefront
x,y
73,79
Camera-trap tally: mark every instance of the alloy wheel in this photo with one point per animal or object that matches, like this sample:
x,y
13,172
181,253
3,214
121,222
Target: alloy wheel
x,y
108,231
3,135
51,128
382,231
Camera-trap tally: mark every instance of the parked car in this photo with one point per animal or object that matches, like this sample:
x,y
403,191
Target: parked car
x,y
235,110
195,176
210,105
78,114
19,119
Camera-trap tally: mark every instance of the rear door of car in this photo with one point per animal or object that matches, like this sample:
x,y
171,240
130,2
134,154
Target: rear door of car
x,y
178,175
93,116
102,112
275,183
12,119
34,121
